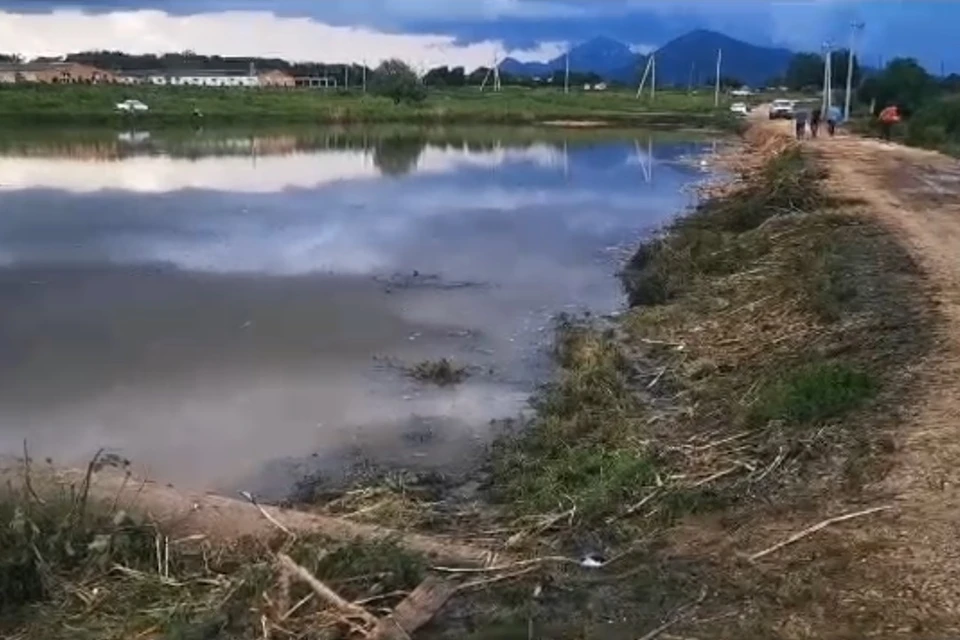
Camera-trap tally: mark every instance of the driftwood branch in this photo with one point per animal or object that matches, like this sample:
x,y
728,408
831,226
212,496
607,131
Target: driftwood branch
x,y
325,593
813,529
265,514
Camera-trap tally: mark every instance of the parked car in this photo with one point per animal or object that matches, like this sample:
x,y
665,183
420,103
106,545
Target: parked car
x,y
782,109
740,108
132,106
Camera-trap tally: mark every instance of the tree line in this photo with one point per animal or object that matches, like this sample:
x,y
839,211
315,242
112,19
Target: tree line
x,y
930,104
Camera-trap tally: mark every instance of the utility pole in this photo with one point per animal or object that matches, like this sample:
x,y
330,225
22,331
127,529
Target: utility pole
x,y
646,74
364,76
495,72
653,77
566,76
827,56
716,89
855,27
346,77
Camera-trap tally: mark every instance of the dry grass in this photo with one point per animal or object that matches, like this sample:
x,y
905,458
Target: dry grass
x,y
759,381
73,570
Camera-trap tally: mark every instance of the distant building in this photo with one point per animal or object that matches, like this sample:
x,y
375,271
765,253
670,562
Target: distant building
x,y
202,78
316,82
54,73
209,78
276,79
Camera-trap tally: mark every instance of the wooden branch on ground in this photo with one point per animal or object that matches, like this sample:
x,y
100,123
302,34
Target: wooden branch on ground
x,y
416,610
813,529
325,593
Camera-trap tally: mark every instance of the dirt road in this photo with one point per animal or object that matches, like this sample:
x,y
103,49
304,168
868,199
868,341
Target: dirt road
x,y
916,194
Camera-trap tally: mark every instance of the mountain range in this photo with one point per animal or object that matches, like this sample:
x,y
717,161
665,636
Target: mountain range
x,y
689,59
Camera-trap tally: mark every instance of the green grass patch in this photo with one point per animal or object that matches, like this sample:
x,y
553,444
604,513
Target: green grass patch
x,y
91,105
584,447
813,394
830,284
714,239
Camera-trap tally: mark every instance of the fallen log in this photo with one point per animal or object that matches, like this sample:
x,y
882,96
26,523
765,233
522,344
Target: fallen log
x,y
226,519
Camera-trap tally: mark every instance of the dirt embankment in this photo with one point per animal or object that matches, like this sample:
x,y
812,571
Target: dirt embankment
x,y
896,572
762,447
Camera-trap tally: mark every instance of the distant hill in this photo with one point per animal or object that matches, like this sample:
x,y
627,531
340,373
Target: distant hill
x,y
695,55
604,56
691,57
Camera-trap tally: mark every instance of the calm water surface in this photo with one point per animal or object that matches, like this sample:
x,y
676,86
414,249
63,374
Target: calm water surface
x,y
232,311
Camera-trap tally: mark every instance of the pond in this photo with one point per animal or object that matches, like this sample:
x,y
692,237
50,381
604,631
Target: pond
x,y
235,310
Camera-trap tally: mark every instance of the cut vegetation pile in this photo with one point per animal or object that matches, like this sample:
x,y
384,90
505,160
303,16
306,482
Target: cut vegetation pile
x,y
73,568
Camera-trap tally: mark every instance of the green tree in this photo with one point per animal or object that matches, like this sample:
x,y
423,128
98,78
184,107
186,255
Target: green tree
x,y
445,77
395,79
904,83
477,75
804,71
457,77
437,77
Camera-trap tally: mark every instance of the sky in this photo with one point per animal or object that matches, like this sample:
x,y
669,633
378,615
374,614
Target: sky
x,y
468,32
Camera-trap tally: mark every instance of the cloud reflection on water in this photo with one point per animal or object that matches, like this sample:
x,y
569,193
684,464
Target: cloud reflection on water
x,y
210,313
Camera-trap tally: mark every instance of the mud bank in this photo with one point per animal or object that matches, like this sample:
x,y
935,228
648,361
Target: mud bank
x,y
754,389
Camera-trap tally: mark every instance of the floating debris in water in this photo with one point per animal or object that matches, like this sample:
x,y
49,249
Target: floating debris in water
x,y
441,372
417,280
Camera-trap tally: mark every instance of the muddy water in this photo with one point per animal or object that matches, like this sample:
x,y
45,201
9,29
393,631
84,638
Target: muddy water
x,y
234,311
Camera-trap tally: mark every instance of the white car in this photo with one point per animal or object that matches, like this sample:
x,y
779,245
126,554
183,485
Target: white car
x,y
782,109
740,108
132,106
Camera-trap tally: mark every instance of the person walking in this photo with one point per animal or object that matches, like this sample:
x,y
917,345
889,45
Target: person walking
x,y
800,120
887,118
834,117
815,118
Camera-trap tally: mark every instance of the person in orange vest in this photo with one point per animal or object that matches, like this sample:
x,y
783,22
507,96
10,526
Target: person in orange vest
x,y
888,117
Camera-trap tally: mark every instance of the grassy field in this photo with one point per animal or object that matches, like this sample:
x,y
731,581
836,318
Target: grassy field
x,y
94,105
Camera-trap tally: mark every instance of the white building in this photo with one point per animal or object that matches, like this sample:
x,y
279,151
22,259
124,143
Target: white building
x,y
193,78
204,79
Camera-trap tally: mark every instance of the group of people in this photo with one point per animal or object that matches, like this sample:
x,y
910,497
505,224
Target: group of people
x,y
815,118
887,119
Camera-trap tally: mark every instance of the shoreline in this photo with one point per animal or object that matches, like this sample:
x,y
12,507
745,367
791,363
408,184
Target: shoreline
x,y
749,388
